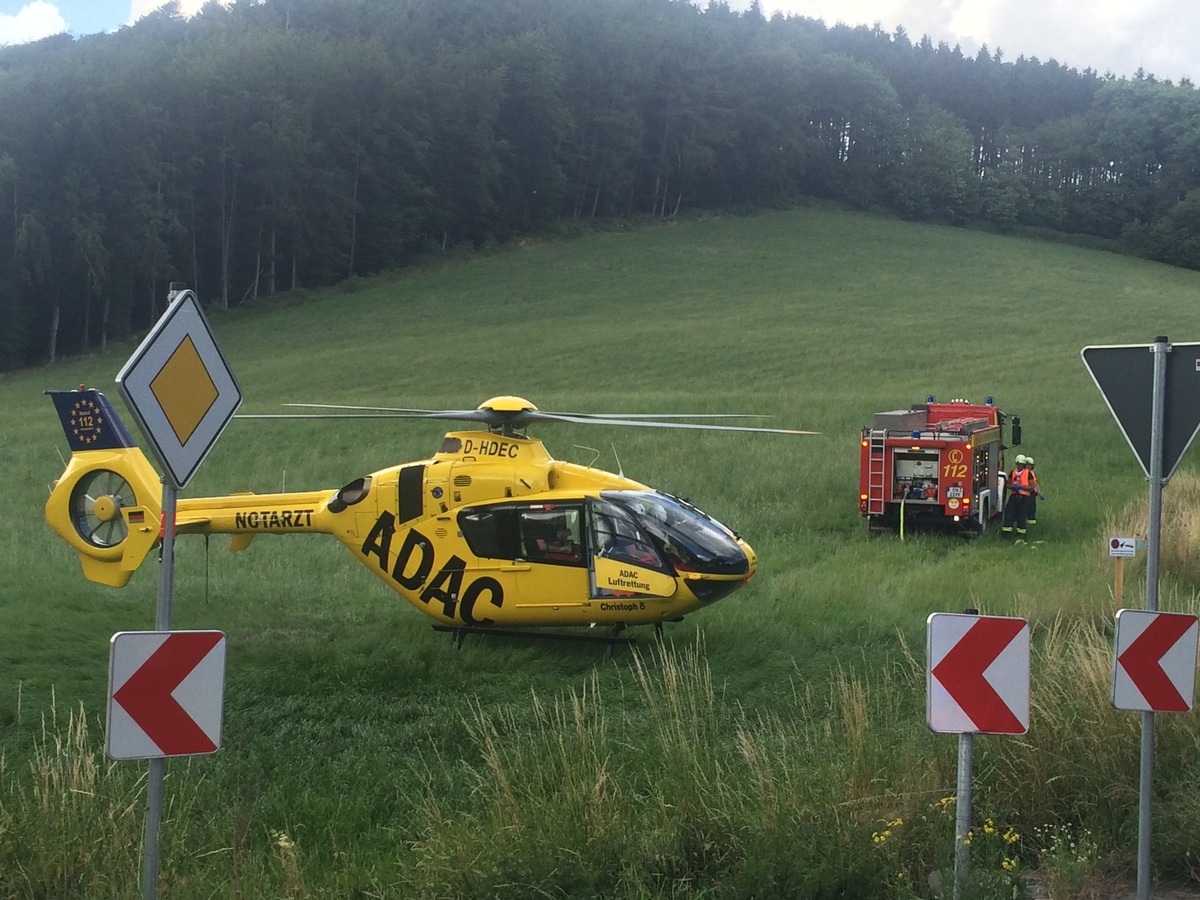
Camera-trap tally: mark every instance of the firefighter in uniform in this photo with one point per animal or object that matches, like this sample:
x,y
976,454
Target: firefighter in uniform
x,y
1020,489
1035,496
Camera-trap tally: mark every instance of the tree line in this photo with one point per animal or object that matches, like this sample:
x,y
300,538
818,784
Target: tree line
x,y
274,144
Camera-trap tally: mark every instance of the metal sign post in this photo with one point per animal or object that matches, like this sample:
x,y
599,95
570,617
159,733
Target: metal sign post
x,y
1158,436
962,811
977,681
1153,543
183,394
152,839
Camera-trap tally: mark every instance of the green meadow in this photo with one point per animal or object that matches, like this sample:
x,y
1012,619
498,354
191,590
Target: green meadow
x,y
773,745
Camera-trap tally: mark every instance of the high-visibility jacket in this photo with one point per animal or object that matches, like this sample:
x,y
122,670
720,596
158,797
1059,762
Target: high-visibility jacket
x,y
1021,481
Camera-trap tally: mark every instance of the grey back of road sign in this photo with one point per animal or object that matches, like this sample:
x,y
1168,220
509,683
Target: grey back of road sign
x,y
1124,373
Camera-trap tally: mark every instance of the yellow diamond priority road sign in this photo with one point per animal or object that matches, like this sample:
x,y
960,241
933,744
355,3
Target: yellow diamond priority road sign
x,y
180,389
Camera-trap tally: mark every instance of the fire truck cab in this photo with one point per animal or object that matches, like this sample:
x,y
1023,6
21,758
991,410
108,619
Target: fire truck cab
x,y
935,464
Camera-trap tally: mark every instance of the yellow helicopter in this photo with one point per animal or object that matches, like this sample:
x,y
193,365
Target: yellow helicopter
x,y
490,534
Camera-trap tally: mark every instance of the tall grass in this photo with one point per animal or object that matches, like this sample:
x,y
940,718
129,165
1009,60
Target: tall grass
x,y
675,792
70,821
701,798
1179,545
690,796
72,826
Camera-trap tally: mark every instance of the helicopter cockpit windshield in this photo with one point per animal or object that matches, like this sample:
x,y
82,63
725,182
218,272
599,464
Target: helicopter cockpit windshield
x,y
647,527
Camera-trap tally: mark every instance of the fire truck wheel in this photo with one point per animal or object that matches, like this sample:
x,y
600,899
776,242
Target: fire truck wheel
x,y
979,526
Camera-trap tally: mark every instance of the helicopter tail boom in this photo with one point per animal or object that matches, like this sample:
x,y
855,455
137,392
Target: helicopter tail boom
x,y
246,515
107,504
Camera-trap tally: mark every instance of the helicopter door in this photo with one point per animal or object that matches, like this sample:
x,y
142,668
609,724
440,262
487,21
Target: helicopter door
x,y
624,561
537,550
551,542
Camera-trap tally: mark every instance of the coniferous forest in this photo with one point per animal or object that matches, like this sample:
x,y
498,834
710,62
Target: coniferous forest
x,y
277,144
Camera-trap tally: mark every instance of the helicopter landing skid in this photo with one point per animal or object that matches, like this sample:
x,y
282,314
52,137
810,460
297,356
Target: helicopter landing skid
x,y
611,637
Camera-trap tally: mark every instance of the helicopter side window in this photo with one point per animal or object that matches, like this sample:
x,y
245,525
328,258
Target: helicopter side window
x,y
544,533
491,532
550,533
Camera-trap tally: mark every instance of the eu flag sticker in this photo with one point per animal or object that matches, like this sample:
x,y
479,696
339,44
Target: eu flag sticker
x,y
89,421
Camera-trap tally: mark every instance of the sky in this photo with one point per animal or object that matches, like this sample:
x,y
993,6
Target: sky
x,y
1118,36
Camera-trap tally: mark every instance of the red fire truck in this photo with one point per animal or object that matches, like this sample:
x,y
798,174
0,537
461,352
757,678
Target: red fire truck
x,y
936,464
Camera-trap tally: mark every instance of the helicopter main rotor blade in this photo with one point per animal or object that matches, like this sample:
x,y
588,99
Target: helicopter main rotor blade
x,y
509,419
388,409
604,417
465,415
318,416
470,414
645,423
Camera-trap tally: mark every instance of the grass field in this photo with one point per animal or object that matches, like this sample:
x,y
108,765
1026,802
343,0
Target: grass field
x,y
775,738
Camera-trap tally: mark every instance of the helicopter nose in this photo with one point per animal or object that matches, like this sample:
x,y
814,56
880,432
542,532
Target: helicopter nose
x,y
751,559
709,589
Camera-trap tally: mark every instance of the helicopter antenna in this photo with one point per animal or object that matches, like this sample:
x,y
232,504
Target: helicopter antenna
x,y
64,465
620,471
594,451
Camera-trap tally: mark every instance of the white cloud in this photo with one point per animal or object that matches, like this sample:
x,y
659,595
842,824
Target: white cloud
x,y
139,8
1107,35
33,21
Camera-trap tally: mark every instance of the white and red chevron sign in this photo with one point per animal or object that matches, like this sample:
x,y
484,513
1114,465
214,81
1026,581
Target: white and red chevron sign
x,y
978,675
165,693
1155,665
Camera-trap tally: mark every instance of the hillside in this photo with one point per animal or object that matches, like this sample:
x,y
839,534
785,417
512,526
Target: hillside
x,y
262,146
758,751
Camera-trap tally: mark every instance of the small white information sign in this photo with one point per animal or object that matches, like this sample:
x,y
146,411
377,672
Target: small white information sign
x,y
1122,546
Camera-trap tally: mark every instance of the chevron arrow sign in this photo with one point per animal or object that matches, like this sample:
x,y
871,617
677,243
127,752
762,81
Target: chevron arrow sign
x,y
1154,669
166,690
978,675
